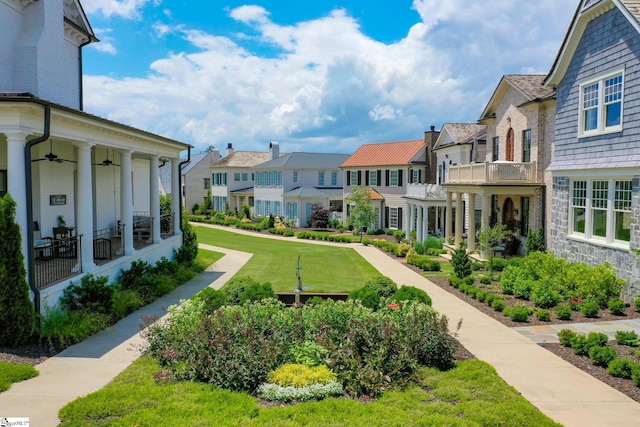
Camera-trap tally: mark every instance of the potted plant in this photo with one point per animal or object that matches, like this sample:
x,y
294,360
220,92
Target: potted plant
x,y
61,221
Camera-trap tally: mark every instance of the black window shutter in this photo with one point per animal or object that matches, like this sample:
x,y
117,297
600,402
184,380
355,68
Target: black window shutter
x,y
410,176
399,218
386,217
348,177
379,178
366,178
400,182
359,177
386,177
419,176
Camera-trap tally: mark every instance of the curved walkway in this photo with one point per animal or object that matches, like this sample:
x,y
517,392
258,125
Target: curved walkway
x,y
557,388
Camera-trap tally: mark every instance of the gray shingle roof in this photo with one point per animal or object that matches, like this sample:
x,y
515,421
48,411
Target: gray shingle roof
x,y
463,132
306,161
634,7
242,159
531,85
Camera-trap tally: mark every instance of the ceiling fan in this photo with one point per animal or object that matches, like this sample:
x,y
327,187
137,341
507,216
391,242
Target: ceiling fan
x,y
51,156
106,162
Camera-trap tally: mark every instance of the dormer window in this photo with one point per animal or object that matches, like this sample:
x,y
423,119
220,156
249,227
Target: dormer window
x,y
601,104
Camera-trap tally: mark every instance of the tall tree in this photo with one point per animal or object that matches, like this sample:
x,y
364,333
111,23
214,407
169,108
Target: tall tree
x,y
17,315
361,213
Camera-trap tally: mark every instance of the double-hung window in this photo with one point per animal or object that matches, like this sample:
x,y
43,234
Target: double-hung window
x,y
601,104
236,176
334,179
373,178
321,178
601,210
415,176
393,218
295,176
206,183
354,178
526,145
393,178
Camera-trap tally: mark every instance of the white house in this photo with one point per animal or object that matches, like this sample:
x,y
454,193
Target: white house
x,y
57,160
195,177
289,185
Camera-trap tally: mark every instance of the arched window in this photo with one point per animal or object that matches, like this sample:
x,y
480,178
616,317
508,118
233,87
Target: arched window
x,y
510,143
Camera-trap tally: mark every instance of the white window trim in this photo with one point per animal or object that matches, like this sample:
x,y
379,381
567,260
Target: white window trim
x,y
391,225
397,178
588,235
601,129
354,182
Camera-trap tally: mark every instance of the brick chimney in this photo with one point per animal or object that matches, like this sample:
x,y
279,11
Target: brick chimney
x,y
430,138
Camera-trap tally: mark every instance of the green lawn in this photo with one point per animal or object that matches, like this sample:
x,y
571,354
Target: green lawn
x,y
324,268
472,394
12,373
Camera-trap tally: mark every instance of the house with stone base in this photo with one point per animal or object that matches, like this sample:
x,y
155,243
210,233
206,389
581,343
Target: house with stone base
x,y
595,214
86,188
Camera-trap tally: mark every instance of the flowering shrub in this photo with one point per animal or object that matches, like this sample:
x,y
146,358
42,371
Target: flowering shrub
x,y
269,391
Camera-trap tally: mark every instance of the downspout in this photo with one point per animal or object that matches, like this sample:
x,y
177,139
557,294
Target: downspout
x,y
29,185
180,165
80,83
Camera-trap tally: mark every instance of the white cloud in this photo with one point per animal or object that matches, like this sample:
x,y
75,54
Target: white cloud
x,y
129,9
106,44
326,86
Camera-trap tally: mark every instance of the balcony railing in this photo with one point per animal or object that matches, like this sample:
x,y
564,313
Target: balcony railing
x,y
57,259
426,191
494,173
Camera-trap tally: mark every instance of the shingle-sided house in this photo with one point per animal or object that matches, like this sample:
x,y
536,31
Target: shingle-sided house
x,y
289,185
56,160
507,185
386,169
232,177
596,165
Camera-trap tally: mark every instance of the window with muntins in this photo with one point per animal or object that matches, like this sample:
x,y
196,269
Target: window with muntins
x,y
601,210
373,178
496,148
295,176
416,176
601,104
393,178
393,218
236,176
354,178
207,183
320,178
334,178
526,145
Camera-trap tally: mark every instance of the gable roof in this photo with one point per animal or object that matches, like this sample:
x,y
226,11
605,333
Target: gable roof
x,y
195,159
587,11
242,159
530,86
459,133
74,14
305,160
386,153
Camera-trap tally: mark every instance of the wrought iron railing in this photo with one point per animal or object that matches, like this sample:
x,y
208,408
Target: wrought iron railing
x,y
57,259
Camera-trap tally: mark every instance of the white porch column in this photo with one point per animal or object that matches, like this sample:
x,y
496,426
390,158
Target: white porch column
x,y
126,201
486,215
459,220
175,195
419,232
84,203
471,239
17,184
154,198
448,217
410,219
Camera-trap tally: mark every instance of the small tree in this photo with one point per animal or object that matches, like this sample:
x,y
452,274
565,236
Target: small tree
x,y
461,263
361,214
17,315
490,238
319,217
535,241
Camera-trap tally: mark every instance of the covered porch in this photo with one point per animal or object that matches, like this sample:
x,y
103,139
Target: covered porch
x,y
86,190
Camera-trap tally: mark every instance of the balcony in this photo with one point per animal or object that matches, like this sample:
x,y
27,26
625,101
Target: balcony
x,y
426,191
494,173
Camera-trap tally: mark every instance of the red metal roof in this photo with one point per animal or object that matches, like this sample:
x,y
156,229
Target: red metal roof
x,y
385,153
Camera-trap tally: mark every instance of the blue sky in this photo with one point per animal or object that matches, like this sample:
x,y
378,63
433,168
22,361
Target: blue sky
x,y
315,76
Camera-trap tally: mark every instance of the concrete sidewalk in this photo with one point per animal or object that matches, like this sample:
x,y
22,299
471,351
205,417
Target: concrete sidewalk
x,y
90,365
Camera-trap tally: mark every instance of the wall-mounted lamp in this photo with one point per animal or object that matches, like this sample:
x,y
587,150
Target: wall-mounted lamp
x,y
515,211
450,161
446,156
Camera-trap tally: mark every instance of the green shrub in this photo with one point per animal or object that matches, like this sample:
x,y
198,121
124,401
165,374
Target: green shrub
x,y
411,293
498,304
636,304
309,353
543,315
235,287
454,280
602,355
433,242
419,248
497,264
140,277
480,295
635,374
382,285
402,249
581,344
617,307
565,336
485,280
316,300
367,297
622,367
125,302
269,391
600,284
543,295
435,251
488,298
93,294
166,267
590,308
597,338
461,263
62,328
299,375
212,298
469,280
628,338
399,235
517,314
257,292
563,312
475,265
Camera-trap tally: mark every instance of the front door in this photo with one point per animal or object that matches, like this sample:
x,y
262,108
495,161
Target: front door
x,y
507,212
